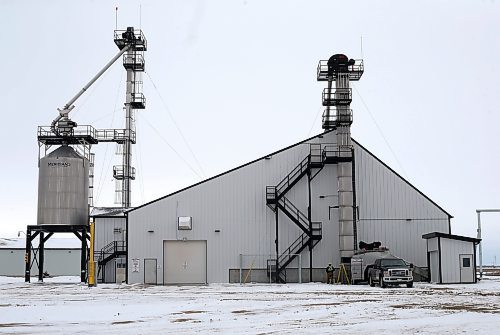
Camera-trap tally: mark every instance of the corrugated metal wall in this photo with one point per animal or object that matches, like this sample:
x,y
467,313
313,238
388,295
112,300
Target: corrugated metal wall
x,y
57,262
392,211
107,230
450,261
235,204
433,249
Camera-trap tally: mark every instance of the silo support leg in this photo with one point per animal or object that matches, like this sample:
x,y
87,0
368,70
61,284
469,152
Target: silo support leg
x,y
83,277
27,257
41,251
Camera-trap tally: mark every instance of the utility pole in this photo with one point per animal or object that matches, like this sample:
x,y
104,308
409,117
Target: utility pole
x,y
479,211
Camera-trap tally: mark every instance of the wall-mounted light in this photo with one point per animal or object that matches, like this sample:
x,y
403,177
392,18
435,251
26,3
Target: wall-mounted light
x,y
328,196
151,231
217,230
184,223
268,157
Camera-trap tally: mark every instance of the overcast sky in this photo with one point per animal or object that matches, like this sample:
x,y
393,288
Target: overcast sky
x,y
238,78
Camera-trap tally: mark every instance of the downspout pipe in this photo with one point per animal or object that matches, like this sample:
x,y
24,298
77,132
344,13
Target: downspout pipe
x,y
68,107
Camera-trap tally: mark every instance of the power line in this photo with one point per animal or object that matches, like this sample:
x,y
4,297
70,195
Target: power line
x,y
171,147
139,155
101,182
175,124
381,133
314,123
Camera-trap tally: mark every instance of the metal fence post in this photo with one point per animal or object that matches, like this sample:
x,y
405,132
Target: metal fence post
x,y
300,269
241,269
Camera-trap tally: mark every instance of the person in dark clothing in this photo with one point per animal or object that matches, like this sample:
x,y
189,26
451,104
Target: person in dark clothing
x,y
329,273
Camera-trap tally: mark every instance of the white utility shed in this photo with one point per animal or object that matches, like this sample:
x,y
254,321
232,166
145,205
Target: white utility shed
x,y
451,259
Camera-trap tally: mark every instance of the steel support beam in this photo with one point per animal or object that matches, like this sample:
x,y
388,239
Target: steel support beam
x,y
479,211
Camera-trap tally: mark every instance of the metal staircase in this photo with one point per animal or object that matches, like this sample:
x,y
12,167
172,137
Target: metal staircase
x,y
106,254
312,233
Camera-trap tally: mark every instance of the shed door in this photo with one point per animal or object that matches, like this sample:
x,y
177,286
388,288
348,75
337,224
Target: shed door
x,y
466,269
185,262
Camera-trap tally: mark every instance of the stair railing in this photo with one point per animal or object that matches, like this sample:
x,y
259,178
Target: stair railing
x,y
292,176
290,207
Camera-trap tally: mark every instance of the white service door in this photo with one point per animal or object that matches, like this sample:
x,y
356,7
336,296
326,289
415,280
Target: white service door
x,y
466,268
150,271
185,262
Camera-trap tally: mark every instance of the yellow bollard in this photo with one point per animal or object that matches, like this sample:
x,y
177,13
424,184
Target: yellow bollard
x,y
91,264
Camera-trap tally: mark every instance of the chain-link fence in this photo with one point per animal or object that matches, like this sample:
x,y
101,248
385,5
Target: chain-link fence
x,y
264,269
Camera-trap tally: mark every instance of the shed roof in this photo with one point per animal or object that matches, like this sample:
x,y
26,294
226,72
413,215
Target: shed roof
x,y
451,237
108,211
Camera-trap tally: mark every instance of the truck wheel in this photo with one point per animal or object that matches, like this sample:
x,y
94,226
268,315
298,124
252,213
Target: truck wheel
x,y
381,282
370,281
409,285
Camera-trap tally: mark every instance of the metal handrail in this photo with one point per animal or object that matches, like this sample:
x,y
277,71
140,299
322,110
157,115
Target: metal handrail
x,y
136,58
301,217
337,96
113,135
318,227
337,151
85,130
298,170
355,70
345,117
138,36
297,244
119,171
270,192
113,247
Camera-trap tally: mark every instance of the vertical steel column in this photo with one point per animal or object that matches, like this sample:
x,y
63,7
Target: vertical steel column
x,y
309,215
480,244
327,117
277,249
27,256
41,251
241,269
354,203
127,145
83,258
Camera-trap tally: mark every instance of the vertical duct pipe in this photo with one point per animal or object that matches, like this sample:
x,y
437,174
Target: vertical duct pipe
x,y
344,169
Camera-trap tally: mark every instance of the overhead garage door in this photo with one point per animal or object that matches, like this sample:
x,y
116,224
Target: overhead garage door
x,y
184,262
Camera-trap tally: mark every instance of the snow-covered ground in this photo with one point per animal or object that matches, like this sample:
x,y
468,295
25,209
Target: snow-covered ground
x,y
63,305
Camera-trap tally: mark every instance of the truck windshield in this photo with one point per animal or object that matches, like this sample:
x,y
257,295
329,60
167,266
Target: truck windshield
x,y
393,263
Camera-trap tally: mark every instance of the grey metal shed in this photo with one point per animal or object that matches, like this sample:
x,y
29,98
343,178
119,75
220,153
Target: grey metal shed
x,y
451,259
